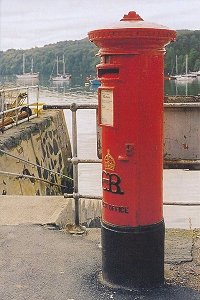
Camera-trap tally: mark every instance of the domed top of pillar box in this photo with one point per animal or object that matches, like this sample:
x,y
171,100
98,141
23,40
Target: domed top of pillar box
x,y
132,34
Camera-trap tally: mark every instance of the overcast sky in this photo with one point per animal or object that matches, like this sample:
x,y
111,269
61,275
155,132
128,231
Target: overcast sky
x,y
28,23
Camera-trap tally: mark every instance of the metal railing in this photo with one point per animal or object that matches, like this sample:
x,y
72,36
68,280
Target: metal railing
x,y
15,106
14,99
21,176
31,177
75,160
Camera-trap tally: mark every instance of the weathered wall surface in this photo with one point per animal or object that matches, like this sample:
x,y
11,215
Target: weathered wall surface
x,y
182,132
43,141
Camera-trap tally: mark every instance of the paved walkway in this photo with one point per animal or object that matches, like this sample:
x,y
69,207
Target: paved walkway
x,y
41,264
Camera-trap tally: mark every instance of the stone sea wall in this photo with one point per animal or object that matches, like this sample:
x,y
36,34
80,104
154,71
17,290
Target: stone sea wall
x,y
41,142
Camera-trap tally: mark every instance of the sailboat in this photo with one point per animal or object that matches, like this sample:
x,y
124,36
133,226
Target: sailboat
x,y
25,75
61,77
175,76
186,76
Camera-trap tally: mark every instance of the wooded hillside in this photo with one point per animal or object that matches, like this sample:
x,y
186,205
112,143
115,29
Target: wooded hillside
x,y
81,60
187,43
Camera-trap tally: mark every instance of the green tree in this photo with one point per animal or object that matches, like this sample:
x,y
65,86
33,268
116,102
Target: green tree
x,y
81,59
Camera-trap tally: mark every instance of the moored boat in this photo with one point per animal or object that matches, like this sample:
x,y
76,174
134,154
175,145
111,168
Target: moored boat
x,y
61,77
184,77
26,75
95,81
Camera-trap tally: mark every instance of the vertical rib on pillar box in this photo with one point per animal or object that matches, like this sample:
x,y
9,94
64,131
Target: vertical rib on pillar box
x,y
131,116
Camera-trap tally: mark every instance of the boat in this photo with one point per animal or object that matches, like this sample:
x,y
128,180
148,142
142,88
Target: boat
x,y
174,77
197,73
91,80
63,76
187,76
95,81
25,75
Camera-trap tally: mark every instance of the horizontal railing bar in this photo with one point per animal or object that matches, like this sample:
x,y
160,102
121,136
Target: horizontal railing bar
x,y
13,109
166,162
18,122
72,106
182,161
182,203
95,106
101,198
19,88
20,176
180,104
82,196
77,161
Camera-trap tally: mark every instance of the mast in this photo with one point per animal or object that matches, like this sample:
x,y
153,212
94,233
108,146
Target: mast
x,y
57,65
186,64
63,64
32,66
23,65
176,65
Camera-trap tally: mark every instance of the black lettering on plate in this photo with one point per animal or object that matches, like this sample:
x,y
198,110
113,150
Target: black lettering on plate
x,y
111,183
111,207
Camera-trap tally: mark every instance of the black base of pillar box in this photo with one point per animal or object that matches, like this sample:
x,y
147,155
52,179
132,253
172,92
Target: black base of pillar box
x,y
133,257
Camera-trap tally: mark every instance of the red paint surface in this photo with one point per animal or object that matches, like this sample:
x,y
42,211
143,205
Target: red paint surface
x,y
132,66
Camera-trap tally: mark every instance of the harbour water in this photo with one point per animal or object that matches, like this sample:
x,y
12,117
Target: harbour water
x,y
179,185
185,87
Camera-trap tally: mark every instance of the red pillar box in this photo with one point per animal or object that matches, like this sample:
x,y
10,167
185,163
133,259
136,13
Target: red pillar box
x,y
131,116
